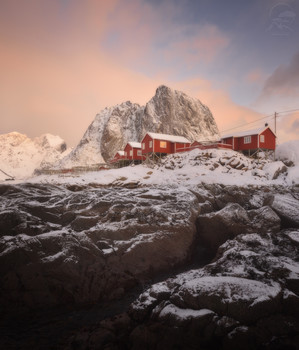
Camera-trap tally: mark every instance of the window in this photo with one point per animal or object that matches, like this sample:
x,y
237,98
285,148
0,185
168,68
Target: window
x,y
131,153
125,154
247,139
262,138
151,144
139,153
163,144
143,145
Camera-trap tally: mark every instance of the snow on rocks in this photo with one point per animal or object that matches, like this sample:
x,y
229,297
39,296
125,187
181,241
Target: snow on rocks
x,y
242,299
273,170
122,234
247,293
186,169
177,316
288,152
216,227
287,207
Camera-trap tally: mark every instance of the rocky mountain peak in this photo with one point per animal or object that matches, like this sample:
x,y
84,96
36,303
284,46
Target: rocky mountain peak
x,y
169,111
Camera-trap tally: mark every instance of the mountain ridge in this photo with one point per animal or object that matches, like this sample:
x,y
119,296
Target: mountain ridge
x,y
168,111
21,156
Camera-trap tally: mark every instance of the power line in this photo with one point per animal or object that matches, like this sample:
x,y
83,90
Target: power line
x,y
289,111
254,121
268,116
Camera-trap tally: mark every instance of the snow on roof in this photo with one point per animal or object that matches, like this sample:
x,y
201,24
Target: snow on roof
x,y
247,132
171,138
121,153
135,144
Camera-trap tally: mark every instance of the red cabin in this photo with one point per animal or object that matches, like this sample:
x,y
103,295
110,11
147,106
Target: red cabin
x,y
162,144
119,158
196,144
252,140
120,155
133,152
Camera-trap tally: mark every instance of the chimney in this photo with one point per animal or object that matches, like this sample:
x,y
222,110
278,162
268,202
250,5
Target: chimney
x,y
266,125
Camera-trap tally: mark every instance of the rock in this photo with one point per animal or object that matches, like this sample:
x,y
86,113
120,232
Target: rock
x,y
92,245
264,220
286,207
241,338
101,246
241,299
9,220
215,228
177,317
275,169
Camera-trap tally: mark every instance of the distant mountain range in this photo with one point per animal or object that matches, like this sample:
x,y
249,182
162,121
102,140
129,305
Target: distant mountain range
x,y
20,155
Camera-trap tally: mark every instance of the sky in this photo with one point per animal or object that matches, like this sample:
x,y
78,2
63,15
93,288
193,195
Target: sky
x,y
63,61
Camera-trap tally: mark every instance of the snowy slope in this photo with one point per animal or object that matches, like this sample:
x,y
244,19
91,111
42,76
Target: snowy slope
x,y
20,155
111,127
289,152
168,112
188,169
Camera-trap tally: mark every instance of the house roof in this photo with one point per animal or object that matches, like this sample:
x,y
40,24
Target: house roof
x,y
248,132
171,138
135,144
121,153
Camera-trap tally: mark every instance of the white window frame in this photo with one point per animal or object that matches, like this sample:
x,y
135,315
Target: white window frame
x,y
143,145
139,153
125,154
163,144
150,144
262,138
131,153
247,139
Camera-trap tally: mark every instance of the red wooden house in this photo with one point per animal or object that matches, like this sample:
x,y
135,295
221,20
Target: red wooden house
x,y
209,145
133,152
162,144
250,141
118,158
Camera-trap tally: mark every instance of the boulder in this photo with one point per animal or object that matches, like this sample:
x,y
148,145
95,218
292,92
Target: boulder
x,y
286,207
216,228
241,299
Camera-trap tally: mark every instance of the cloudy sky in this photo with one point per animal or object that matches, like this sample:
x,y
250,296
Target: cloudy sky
x,y
62,61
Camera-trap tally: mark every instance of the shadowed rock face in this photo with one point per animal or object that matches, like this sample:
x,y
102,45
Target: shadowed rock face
x,y
77,245
60,247
168,112
246,298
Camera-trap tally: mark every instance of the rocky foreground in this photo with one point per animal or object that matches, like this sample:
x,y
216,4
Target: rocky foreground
x,y
149,267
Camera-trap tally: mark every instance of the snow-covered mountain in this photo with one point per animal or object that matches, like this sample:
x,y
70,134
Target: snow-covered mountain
x,y
168,112
20,155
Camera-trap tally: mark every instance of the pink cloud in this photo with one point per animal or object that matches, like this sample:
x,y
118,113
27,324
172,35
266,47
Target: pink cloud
x,y
144,32
255,76
57,79
283,81
203,46
227,114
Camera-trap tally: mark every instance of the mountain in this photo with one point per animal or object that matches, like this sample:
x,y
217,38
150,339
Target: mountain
x,y
168,112
20,155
